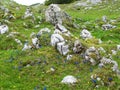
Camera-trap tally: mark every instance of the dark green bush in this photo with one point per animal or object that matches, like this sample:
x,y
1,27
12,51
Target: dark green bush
x,y
48,2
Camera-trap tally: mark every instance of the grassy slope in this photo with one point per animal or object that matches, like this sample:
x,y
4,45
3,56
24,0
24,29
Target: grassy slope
x,y
15,76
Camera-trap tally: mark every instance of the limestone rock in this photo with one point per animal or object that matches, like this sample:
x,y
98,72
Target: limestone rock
x,y
78,48
108,26
62,48
56,38
35,42
18,41
60,29
92,55
85,34
69,80
54,14
3,29
105,61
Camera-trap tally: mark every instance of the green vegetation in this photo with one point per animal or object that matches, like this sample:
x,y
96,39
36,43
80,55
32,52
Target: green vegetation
x,y
30,69
48,2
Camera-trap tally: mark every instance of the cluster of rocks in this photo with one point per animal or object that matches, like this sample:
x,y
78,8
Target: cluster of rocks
x,y
105,61
55,16
107,25
8,15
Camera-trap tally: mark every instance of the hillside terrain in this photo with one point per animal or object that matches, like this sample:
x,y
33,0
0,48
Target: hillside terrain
x,y
38,50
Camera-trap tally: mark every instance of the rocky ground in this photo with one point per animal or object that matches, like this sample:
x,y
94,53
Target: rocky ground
x,y
60,47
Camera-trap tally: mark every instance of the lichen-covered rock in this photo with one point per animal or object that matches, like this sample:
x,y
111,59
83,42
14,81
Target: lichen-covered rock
x,y
78,48
18,41
104,19
54,14
35,42
105,61
92,55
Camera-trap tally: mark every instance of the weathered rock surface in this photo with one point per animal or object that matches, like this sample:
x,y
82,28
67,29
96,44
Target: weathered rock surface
x,y
60,29
55,15
78,48
62,48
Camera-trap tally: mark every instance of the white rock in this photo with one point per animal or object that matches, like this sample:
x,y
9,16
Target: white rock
x,y
108,26
53,14
26,47
18,41
99,41
55,38
43,30
118,47
78,48
62,48
114,52
85,34
93,62
61,28
3,29
35,42
69,80
69,57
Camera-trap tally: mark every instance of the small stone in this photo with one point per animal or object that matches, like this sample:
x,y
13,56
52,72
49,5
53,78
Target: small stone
x,y
69,80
